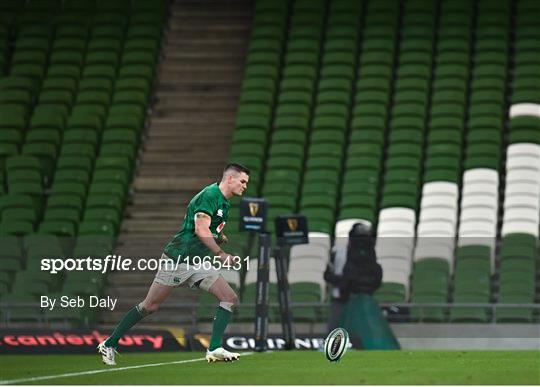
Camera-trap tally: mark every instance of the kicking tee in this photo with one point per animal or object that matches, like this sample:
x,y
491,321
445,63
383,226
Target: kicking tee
x,y
185,243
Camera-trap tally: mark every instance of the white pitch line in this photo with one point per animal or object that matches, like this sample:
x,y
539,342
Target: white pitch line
x,y
59,376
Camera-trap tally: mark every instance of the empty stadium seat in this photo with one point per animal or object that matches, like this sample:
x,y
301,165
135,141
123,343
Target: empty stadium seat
x,y
60,118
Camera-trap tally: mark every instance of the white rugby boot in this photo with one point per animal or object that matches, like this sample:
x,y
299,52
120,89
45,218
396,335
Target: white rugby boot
x,y
221,354
108,354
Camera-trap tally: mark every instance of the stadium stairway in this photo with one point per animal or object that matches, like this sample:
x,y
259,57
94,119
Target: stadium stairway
x,y
191,125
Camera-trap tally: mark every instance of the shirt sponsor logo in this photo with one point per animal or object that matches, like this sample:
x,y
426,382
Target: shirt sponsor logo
x,y
220,227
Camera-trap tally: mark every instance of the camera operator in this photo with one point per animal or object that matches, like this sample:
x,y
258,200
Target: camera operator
x,y
359,274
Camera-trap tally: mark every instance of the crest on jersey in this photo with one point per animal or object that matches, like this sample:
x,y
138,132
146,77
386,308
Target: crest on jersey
x,y
220,212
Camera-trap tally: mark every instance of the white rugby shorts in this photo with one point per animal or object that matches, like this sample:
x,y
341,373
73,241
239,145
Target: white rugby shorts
x,y
168,276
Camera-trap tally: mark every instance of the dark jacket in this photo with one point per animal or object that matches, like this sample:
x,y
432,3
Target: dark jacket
x,y
362,273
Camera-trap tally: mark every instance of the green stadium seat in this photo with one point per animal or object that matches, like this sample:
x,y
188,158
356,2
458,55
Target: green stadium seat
x,y
425,314
61,228
390,292
73,317
10,136
514,315
17,228
45,152
62,214
482,162
110,188
108,214
469,314
19,214
102,227
29,312
82,288
105,176
65,201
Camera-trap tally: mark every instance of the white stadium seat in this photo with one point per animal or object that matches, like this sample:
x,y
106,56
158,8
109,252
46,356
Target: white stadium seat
x,y
309,251
517,214
397,276
521,175
440,248
312,264
393,250
479,214
477,228
388,246
479,201
521,201
448,242
481,176
343,227
439,214
523,149
528,189
397,214
437,201
396,264
522,191
319,238
251,274
519,226
525,109
395,235
479,208
522,162
440,188
395,229
436,228
480,189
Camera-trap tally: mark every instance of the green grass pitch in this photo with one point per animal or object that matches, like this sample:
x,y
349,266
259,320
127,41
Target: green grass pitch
x,y
296,367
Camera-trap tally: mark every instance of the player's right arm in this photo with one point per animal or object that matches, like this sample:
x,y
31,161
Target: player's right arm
x,y
202,230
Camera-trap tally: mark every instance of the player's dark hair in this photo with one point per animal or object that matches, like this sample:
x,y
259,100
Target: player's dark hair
x,y
236,167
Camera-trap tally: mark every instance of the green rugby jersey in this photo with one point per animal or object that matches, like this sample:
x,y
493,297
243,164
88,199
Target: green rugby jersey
x,y
210,201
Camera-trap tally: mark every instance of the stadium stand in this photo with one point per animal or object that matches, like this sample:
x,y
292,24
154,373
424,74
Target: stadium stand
x,y
400,118
75,86
421,118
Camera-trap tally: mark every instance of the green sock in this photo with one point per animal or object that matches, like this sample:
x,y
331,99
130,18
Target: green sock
x,y
220,323
130,318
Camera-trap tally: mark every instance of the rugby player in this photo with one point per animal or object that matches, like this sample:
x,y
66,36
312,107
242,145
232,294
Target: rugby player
x,y
200,235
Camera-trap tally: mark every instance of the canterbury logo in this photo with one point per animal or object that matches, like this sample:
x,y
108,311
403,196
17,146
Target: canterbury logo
x,y
253,208
292,223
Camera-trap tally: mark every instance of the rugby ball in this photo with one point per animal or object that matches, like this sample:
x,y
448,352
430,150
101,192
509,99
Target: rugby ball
x,y
336,344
